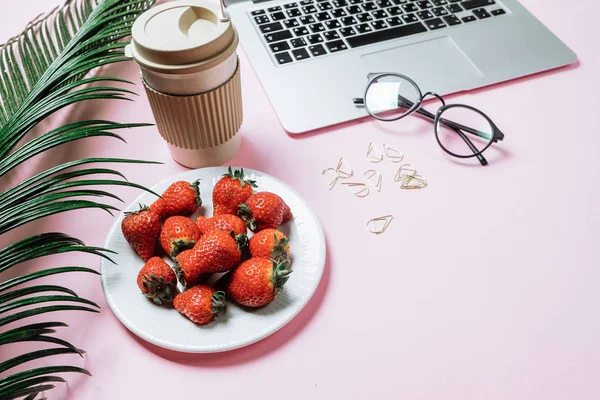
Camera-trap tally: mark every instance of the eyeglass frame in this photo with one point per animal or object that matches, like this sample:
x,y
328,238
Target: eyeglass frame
x,y
497,134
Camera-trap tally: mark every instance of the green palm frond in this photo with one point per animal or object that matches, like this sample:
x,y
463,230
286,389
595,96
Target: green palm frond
x,y
42,70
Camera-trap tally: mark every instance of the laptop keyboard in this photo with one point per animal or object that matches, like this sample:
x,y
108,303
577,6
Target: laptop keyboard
x,y
306,29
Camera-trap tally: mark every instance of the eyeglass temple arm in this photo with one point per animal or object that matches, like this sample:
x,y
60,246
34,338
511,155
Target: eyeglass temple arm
x,y
452,125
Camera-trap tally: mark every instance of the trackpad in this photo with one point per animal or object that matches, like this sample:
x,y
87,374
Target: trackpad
x,y
432,64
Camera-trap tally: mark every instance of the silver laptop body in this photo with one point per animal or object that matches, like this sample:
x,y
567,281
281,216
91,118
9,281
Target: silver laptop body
x,y
317,91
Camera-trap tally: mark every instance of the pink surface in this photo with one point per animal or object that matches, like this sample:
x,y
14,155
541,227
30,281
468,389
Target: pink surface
x,y
485,286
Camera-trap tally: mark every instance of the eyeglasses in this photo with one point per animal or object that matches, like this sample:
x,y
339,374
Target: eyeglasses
x,y
461,131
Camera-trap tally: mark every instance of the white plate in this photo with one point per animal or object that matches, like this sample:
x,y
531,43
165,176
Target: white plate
x,y
165,327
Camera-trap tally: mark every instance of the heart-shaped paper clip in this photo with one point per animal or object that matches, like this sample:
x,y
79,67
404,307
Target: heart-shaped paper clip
x,y
331,177
357,189
405,171
380,224
343,169
374,155
413,182
374,179
392,154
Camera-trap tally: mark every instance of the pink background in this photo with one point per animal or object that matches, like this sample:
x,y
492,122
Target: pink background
x,y
485,286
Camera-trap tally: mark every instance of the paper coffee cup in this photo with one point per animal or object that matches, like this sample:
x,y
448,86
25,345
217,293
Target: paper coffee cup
x,y
190,69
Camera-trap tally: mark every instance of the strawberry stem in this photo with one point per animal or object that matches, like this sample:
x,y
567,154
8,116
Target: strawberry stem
x,y
245,214
218,303
239,175
196,186
281,274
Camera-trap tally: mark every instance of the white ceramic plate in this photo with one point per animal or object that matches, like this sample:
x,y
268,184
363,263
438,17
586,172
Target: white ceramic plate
x,y
165,327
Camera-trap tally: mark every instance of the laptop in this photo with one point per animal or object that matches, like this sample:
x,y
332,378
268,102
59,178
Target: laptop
x,y
313,56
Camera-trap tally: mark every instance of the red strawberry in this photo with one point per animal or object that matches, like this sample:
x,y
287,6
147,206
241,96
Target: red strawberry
x,y
141,229
217,251
223,222
157,281
181,198
201,303
231,191
262,210
257,281
269,243
287,213
177,234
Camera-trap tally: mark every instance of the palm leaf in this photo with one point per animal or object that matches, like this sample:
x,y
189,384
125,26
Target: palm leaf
x,y
43,70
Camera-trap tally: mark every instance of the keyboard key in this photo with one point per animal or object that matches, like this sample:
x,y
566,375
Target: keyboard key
x,y
300,54
347,32
318,27
379,14
481,13
435,23
364,17
290,23
314,39
273,9
317,50
388,34
331,35
325,6
471,4
300,31
307,19
370,6
469,18
294,12
332,24
379,24
384,3
338,13
354,10
409,18
278,16
438,3
277,36
348,21
261,19
424,15
363,28
394,10
298,42
257,12
283,58
423,5
355,1
439,12
339,3
272,27
452,20
280,46
498,12
410,8
309,9
322,16
337,45
454,8
306,2
394,21
290,5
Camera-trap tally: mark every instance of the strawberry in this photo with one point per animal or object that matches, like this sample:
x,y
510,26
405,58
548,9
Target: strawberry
x,y
231,191
262,210
256,282
200,304
177,234
222,222
181,198
269,243
141,229
287,213
217,251
157,281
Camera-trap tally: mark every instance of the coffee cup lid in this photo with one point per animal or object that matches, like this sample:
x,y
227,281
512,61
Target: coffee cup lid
x,y
181,34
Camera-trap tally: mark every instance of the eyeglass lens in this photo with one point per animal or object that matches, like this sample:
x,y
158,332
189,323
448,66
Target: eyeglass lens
x,y
463,131
390,97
